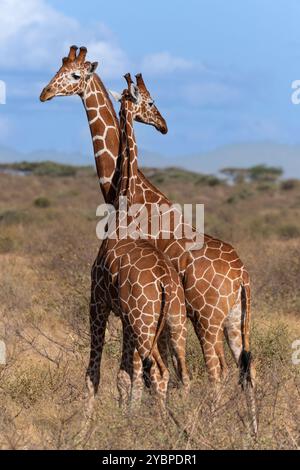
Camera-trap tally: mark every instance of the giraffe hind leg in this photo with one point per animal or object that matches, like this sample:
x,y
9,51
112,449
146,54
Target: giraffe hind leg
x,y
243,359
213,356
125,374
177,345
98,320
137,383
233,335
232,331
147,365
159,375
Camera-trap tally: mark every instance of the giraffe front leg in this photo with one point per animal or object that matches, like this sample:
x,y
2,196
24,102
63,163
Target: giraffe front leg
x,y
98,319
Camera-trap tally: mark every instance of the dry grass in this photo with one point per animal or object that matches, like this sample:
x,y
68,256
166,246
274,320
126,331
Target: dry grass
x,y
46,251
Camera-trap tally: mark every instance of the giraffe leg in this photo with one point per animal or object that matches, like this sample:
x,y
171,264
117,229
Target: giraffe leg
x,y
125,373
243,359
211,340
98,319
132,371
159,376
137,382
178,347
154,369
219,348
130,376
232,331
163,346
208,341
233,335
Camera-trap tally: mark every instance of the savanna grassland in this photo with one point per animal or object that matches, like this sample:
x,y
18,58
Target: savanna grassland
x,y
47,246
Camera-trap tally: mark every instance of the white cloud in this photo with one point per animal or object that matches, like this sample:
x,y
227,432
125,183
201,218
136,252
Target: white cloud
x,y
30,32
162,63
33,35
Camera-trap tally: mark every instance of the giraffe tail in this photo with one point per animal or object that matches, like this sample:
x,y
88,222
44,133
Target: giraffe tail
x,y
148,361
246,366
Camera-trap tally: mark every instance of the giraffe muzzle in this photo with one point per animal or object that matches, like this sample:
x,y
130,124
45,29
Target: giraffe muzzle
x,y
47,94
163,129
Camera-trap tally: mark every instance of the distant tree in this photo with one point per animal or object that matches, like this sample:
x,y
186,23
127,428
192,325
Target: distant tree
x,y
264,173
289,184
236,175
261,173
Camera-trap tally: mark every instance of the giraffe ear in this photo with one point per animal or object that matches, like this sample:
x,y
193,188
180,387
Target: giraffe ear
x,y
117,96
93,67
134,92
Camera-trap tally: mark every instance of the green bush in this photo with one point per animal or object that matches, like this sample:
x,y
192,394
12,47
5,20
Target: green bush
x,y
244,193
42,168
27,387
265,187
260,227
42,202
11,217
208,180
232,199
6,244
287,185
289,231
55,169
159,179
273,345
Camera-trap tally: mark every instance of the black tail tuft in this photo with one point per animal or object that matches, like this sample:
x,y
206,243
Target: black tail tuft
x,y
147,364
245,369
163,296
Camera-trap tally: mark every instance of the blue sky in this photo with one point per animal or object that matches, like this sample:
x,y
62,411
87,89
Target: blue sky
x,y
220,72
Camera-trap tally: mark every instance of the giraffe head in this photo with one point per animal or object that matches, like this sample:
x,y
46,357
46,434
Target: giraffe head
x,y
72,77
141,103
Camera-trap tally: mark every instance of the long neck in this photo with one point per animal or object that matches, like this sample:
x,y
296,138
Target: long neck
x,y
129,168
105,133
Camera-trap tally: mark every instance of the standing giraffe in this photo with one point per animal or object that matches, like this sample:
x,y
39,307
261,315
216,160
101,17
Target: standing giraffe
x,y
216,282
214,276
213,269
130,277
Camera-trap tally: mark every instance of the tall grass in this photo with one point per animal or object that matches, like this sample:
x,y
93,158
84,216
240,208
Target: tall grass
x,y
45,261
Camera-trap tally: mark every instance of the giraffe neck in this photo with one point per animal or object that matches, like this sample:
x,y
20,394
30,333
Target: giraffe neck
x,y
105,131
129,167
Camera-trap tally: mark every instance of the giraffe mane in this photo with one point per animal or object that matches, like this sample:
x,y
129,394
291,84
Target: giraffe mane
x,y
105,93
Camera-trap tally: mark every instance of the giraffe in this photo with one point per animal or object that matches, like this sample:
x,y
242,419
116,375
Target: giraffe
x,y
130,277
218,272
216,283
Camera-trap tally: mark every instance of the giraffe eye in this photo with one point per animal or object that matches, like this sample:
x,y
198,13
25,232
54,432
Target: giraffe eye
x,y
151,103
75,76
